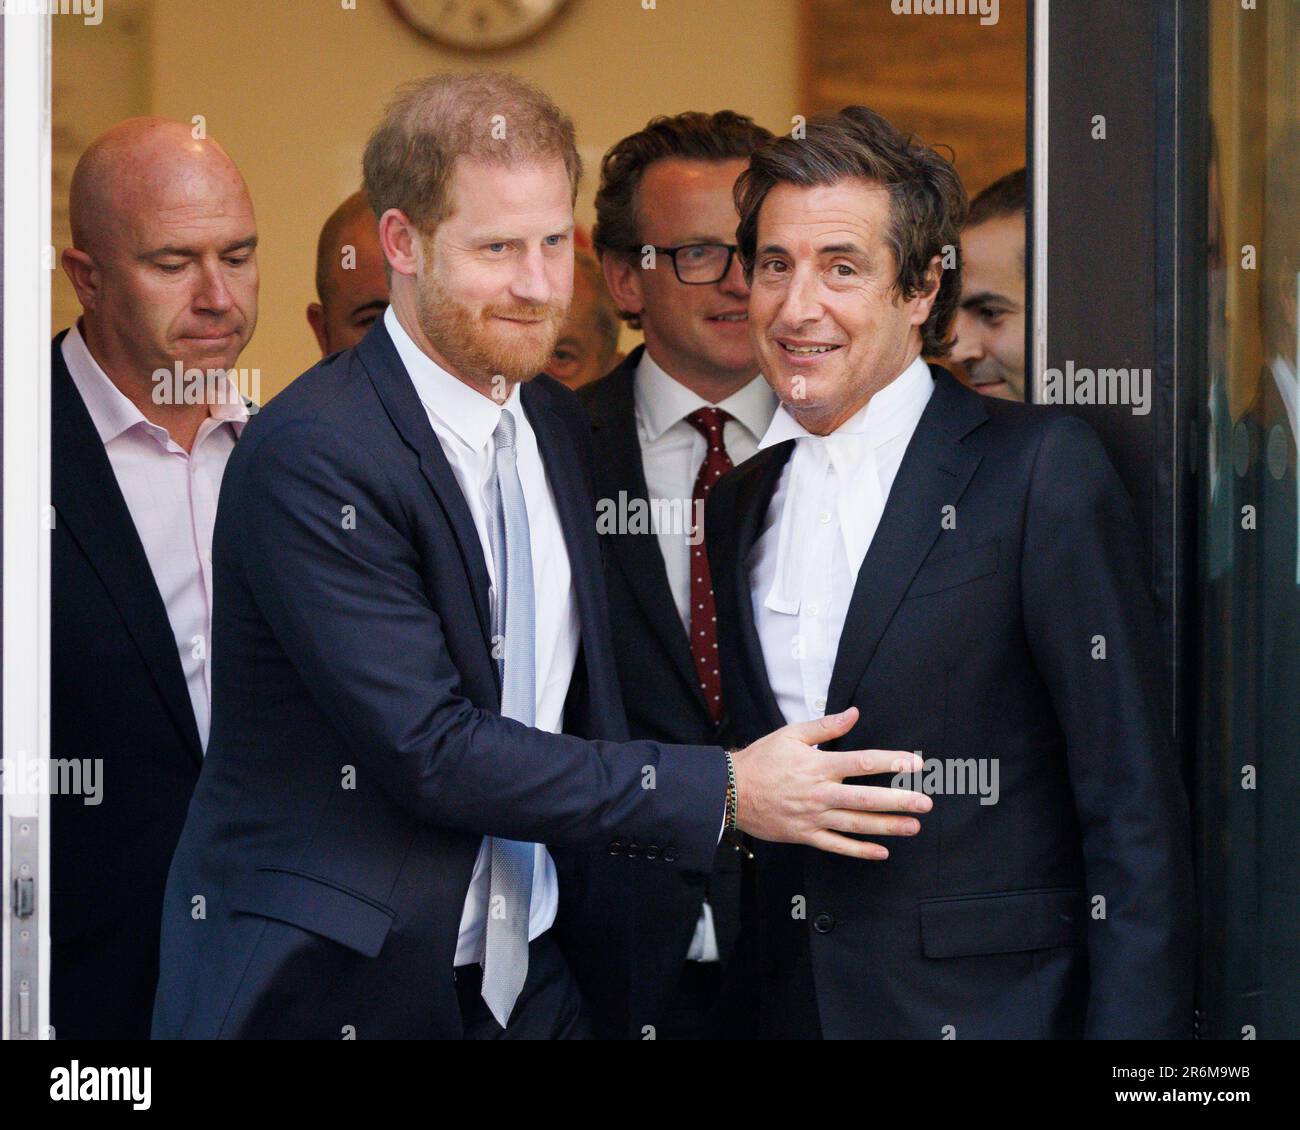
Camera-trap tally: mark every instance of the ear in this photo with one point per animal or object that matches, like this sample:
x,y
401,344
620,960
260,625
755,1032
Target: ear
x,y
623,280
316,319
924,301
400,241
84,275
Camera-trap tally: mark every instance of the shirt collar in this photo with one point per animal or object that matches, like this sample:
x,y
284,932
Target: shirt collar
x,y
662,401
894,409
469,415
113,413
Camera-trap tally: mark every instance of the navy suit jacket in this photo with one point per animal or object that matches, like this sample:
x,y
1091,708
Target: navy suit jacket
x,y
662,696
357,755
117,696
1006,557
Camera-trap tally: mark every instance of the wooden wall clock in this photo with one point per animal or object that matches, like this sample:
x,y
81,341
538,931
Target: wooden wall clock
x,y
478,25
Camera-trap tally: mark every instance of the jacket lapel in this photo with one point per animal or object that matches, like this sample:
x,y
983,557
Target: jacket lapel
x,y
379,357
574,505
756,482
933,474
619,470
90,508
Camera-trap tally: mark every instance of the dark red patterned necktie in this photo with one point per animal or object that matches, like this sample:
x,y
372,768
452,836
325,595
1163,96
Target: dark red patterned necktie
x,y
704,625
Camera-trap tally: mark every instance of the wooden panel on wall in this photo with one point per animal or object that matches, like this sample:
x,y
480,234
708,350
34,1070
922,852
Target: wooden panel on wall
x,y
946,77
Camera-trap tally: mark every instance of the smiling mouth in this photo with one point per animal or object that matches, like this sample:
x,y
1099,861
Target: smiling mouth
x,y
733,318
807,350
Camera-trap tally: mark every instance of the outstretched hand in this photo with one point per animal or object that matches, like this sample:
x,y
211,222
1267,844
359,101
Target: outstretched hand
x,y
789,791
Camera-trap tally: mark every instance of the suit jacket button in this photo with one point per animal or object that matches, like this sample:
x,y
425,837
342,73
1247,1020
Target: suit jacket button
x,y
633,850
652,851
824,923
670,855
615,847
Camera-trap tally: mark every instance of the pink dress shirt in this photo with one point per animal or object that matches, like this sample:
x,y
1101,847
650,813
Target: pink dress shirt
x,y
172,497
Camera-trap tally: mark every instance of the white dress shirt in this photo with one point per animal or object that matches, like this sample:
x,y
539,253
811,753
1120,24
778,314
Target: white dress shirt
x,y
464,421
172,498
672,451
819,525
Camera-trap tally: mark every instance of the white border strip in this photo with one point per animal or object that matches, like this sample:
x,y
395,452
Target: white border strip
x,y
26,472
1042,20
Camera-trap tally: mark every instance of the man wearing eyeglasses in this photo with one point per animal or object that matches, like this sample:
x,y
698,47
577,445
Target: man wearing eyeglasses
x,y
678,413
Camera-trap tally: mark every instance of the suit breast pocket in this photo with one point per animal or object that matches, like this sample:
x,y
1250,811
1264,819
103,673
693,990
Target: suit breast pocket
x,y
958,569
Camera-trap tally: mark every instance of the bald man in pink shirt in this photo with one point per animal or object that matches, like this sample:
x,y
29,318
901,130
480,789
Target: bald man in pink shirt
x,y
147,406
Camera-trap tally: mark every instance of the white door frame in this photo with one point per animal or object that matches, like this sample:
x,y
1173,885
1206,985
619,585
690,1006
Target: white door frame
x,y
27,516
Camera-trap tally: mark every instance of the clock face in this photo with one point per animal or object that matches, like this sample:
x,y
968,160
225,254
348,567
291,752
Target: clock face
x,y
478,25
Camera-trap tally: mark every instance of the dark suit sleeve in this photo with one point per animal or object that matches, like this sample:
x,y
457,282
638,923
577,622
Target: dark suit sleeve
x,y
350,609
1082,579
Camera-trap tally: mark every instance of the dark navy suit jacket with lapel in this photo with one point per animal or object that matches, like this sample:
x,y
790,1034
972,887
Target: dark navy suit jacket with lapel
x,y
357,755
1006,558
662,696
118,696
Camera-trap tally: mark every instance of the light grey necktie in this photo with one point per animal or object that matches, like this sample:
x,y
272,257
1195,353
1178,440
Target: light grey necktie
x,y
505,960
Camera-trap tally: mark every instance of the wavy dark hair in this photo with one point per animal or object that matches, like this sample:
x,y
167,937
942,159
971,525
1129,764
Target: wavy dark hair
x,y
693,135
927,204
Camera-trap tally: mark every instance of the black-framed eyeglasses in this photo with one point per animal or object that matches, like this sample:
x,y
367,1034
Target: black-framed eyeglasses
x,y
699,264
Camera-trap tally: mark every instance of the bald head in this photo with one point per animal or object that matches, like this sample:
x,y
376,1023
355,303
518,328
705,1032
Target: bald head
x,y
353,213
162,259
351,279
145,164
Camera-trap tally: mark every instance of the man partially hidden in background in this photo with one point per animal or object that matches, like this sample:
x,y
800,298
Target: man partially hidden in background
x,y
351,277
966,572
587,347
990,322
675,415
